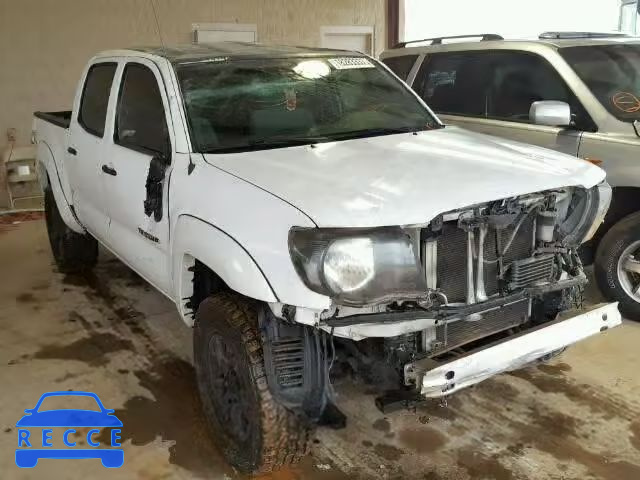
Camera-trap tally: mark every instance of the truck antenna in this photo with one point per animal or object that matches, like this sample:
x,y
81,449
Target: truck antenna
x,y
155,15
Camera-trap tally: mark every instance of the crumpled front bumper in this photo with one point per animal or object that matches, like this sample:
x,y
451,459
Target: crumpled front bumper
x,y
513,352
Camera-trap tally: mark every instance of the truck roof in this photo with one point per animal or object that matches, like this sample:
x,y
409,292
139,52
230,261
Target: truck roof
x,y
178,54
516,44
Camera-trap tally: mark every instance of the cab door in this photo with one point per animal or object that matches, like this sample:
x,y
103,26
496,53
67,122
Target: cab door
x,y
492,91
87,147
136,172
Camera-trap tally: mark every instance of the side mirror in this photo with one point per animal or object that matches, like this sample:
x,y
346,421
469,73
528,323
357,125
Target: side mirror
x,y
551,113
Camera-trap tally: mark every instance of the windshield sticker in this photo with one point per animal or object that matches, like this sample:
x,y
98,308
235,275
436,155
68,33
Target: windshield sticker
x,y
291,99
346,63
626,102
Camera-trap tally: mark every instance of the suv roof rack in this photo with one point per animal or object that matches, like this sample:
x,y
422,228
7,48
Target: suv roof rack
x,y
438,40
570,35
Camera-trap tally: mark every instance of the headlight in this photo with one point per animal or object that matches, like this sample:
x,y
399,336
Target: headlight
x,y
584,213
358,266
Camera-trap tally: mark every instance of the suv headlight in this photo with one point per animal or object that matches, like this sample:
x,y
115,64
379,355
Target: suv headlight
x,y
358,266
585,213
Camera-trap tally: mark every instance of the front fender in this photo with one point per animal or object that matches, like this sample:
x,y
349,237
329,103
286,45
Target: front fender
x,y
220,252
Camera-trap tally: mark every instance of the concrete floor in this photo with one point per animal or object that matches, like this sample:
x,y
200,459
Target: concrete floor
x,y
113,335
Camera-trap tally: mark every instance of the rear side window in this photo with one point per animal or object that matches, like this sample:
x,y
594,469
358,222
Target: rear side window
x,y
140,118
95,98
401,66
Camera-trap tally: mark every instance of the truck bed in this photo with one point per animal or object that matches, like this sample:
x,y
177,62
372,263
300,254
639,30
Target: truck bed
x,y
61,119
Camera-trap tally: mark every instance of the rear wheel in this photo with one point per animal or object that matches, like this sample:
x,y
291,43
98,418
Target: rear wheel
x,y
254,431
73,252
617,265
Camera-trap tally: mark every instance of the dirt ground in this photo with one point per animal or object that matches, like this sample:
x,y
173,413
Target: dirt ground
x,y
576,418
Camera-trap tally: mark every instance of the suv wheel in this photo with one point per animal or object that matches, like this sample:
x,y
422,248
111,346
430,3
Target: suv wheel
x,y
617,265
254,431
73,252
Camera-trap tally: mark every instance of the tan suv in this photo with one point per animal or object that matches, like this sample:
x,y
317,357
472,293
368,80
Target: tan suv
x,y
575,92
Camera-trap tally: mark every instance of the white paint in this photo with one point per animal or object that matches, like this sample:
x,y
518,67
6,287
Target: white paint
x,y
516,352
370,330
405,179
509,18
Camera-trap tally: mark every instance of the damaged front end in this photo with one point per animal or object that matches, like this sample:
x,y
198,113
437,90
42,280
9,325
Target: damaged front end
x,y
470,277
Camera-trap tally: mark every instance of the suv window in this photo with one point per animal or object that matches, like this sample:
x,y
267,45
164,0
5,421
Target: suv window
x,y
140,118
95,97
401,66
612,72
498,85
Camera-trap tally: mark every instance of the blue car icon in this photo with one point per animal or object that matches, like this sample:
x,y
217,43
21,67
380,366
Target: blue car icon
x,y
68,418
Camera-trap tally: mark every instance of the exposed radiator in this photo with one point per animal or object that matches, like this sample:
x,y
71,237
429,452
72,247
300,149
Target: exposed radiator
x,y
461,332
452,257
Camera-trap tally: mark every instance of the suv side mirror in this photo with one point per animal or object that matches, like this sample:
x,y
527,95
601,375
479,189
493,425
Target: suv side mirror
x,y
551,113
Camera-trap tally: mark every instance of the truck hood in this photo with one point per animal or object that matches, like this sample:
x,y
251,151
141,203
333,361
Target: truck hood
x,y
405,178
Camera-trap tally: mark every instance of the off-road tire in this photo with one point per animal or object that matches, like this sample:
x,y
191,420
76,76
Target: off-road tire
x,y
613,244
73,252
226,328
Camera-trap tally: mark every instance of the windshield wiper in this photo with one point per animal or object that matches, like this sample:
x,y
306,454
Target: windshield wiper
x,y
294,141
375,132
266,143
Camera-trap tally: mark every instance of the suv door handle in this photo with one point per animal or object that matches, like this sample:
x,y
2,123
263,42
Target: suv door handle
x,y
109,171
72,151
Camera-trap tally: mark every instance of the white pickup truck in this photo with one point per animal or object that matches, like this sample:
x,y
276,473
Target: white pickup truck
x,y
290,201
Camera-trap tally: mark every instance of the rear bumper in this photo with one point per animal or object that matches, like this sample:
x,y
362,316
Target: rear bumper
x,y
512,353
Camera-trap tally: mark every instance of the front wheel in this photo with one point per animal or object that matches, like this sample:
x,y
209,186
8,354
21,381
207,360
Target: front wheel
x,y
254,431
617,265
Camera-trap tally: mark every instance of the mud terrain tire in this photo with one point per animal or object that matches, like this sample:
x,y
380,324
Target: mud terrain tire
x,y
254,431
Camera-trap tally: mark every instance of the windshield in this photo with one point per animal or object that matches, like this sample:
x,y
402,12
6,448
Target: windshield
x,y
242,105
612,72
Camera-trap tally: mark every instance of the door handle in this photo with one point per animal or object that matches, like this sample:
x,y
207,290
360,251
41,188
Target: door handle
x,y
109,171
72,151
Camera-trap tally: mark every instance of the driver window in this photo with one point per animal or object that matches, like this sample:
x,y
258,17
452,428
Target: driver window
x,y
519,80
140,119
493,84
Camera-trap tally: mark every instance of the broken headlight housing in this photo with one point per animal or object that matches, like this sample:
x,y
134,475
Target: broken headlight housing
x,y
358,266
583,213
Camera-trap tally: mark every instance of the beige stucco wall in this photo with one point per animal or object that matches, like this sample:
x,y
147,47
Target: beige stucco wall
x,y
45,43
